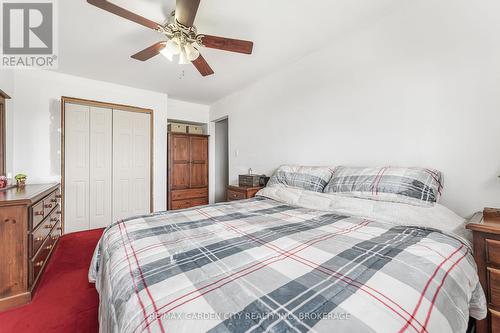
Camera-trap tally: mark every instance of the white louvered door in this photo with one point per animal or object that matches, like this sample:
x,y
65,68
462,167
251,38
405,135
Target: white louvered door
x,y
131,164
101,133
76,183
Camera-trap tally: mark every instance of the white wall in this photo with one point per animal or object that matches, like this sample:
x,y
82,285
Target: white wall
x,y
187,111
419,88
37,121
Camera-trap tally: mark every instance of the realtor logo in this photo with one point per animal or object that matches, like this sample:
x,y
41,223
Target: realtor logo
x,y
28,33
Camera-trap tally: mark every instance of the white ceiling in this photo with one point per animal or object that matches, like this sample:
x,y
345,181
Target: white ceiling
x,y
98,45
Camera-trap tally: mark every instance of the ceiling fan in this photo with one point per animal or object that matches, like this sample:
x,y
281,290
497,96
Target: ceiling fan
x,y
182,38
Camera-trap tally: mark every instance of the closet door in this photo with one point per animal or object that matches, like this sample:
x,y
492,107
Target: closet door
x,y
131,164
199,161
76,166
100,167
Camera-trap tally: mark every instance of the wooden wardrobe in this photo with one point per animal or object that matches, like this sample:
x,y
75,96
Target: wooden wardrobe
x,y
187,170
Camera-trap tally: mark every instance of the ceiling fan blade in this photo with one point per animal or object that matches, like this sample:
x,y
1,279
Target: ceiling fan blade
x,y
114,9
185,11
227,44
202,66
149,52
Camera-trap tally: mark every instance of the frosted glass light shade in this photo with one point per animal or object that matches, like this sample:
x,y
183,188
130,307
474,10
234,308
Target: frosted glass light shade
x,y
191,52
167,54
173,46
183,59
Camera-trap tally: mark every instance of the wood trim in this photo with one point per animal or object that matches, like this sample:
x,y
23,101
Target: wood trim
x,y
112,106
3,137
484,224
45,190
88,102
4,95
14,301
63,157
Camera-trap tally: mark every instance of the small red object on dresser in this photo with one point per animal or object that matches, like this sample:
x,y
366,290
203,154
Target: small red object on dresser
x,y
3,182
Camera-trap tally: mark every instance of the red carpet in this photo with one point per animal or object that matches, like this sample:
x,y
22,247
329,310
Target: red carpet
x,y
64,301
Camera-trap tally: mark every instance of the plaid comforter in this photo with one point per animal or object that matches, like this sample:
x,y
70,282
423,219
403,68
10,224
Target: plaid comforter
x,y
261,265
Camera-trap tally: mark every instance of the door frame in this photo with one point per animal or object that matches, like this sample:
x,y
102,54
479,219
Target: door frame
x,y
215,156
3,131
112,106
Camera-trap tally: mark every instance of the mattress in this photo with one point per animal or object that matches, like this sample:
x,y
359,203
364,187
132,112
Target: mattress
x,y
288,261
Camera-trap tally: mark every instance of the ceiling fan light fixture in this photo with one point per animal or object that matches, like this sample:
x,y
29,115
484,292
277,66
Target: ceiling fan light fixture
x,y
173,46
167,53
183,59
191,52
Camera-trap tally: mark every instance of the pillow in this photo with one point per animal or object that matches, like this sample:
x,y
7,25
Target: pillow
x,y
307,178
417,186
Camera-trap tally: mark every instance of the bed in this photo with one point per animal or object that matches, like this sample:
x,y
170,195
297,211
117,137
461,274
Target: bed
x,y
289,260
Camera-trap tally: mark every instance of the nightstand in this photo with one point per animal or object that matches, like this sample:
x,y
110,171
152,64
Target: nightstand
x,y
486,237
240,192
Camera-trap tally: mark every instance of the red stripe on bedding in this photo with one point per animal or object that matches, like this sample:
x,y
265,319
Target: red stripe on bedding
x,y
438,289
303,261
142,278
424,291
342,278
133,280
262,264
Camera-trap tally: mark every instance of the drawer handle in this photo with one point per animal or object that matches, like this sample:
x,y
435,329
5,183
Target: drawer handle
x,y
40,212
49,226
7,220
58,196
38,239
53,200
59,212
48,247
54,219
59,228
55,237
39,263
48,205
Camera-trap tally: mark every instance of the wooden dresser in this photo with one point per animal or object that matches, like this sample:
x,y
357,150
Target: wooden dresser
x,y
30,226
486,238
241,192
187,170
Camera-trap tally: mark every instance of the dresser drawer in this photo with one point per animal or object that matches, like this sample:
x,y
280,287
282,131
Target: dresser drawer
x,y
181,204
41,232
40,260
190,194
494,286
38,236
234,195
38,213
495,321
56,233
493,252
49,203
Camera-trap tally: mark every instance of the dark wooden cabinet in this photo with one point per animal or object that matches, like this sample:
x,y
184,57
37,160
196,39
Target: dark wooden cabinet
x,y
240,192
187,170
30,225
486,238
